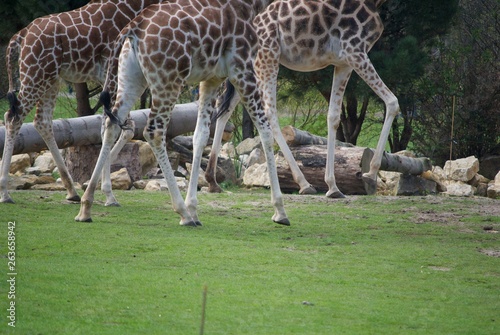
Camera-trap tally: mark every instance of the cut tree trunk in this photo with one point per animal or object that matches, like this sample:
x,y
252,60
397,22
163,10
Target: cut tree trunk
x,y
312,160
295,137
350,164
87,130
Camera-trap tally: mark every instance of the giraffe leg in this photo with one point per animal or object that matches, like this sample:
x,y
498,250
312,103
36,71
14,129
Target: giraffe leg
x,y
155,133
43,124
340,78
268,79
206,109
126,135
211,171
370,76
263,127
13,122
131,84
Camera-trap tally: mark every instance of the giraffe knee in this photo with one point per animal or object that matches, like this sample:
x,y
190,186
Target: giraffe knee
x,y
392,107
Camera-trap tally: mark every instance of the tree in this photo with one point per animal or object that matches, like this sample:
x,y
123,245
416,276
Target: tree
x,y
462,88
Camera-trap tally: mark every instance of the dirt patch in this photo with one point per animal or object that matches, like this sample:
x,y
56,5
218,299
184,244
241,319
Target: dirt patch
x,y
490,252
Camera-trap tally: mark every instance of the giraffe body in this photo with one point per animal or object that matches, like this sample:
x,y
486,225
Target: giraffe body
x,y
75,46
173,44
310,35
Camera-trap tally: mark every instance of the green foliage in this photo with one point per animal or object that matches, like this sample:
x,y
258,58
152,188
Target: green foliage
x,y
343,267
17,14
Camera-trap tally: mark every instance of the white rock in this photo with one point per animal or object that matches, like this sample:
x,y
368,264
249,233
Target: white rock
x,y
462,169
19,163
256,175
120,180
45,163
459,189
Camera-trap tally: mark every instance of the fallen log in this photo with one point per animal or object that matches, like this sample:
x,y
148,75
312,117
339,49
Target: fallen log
x,y
312,160
87,130
350,164
295,137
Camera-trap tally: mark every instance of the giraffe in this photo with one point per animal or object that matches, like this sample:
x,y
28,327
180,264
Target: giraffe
x,y
179,43
75,46
307,36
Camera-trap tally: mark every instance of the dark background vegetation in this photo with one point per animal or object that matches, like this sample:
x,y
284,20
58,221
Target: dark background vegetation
x,y
440,58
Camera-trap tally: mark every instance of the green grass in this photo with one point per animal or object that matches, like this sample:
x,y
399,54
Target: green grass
x,y
364,265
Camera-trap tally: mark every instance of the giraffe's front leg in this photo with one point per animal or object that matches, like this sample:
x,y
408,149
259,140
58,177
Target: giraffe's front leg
x,y
340,78
111,133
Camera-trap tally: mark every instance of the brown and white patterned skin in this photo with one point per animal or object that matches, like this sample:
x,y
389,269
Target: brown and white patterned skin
x,y
310,35
178,43
74,46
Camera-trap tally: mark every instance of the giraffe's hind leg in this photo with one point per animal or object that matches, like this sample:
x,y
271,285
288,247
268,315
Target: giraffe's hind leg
x,y
13,121
43,124
370,76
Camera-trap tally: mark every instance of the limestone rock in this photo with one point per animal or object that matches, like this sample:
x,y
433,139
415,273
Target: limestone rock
x,y
161,184
120,180
228,150
462,169
19,163
256,175
436,176
140,184
247,145
459,189
147,158
156,185
494,188
255,157
45,163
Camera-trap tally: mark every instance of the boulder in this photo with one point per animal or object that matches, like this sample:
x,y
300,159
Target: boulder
x,y
248,145
147,159
120,180
255,157
490,166
45,163
494,187
414,185
19,163
459,189
462,169
228,150
256,175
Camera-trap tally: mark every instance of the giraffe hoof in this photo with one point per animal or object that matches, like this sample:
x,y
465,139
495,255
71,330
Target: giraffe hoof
x,y
284,222
75,198
112,204
370,185
7,201
191,224
308,190
335,195
77,219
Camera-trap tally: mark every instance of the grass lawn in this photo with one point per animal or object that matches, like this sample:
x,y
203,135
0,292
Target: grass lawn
x,y
361,265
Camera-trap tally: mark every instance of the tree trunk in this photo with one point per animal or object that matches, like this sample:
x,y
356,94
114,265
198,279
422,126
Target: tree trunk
x,y
87,130
312,160
82,99
296,137
247,126
397,163
350,164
